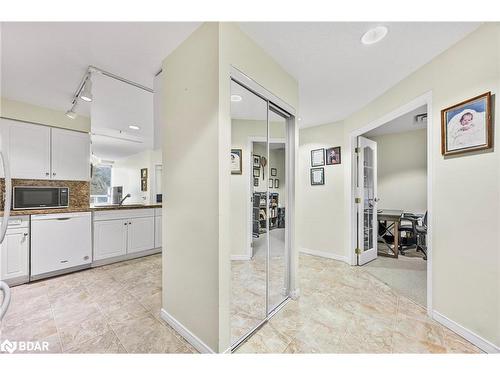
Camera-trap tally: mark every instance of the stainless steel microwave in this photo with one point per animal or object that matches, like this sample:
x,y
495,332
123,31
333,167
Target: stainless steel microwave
x,y
39,197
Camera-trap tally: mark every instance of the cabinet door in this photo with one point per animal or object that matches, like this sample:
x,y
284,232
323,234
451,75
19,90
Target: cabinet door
x,y
14,254
141,234
70,155
158,234
110,238
28,148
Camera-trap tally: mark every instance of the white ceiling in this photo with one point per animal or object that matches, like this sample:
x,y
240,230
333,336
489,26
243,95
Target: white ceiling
x,y
401,124
42,63
337,74
115,106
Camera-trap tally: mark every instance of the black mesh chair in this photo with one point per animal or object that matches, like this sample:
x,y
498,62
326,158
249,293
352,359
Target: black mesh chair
x,y
414,228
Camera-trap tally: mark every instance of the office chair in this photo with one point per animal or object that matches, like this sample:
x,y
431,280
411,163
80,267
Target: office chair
x,y
415,233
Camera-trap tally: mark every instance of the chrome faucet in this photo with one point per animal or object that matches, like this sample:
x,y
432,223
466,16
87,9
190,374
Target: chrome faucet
x,y
123,199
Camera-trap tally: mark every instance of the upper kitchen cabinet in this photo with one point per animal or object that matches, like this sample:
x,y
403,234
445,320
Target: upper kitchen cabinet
x,y
42,152
70,155
28,148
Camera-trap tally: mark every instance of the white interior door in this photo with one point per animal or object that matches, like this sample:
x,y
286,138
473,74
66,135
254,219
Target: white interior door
x,y
367,200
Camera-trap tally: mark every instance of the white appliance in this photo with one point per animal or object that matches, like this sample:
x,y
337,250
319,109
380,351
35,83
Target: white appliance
x,y
4,288
60,243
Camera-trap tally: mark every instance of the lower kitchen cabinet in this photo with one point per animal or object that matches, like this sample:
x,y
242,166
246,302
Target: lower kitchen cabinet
x,y
14,253
158,234
141,234
119,233
110,238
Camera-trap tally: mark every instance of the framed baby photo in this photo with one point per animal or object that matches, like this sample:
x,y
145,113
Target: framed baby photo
x,y
467,126
333,155
144,173
274,172
236,164
256,172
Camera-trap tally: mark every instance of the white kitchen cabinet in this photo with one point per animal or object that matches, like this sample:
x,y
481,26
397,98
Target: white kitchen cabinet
x,y
110,238
60,242
70,155
14,252
42,152
141,234
158,234
123,232
28,148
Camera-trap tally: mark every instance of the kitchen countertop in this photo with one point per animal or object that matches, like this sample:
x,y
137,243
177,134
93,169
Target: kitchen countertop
x,y
79,209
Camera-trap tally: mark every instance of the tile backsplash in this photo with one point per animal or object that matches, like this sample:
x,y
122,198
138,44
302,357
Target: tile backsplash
x,y
79,191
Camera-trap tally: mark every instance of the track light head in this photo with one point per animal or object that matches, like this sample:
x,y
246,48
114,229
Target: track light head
x,y
71,114
86,94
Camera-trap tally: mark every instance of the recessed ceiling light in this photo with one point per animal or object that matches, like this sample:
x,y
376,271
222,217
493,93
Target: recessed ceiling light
x,y
236,98
374,35
300,119
135,127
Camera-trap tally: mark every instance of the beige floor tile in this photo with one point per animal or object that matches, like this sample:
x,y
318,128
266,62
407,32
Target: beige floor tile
x,y
105,343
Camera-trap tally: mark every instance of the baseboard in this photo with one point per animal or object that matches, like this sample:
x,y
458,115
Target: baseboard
x,y
189,336
121,258
467,334
240,257
324,254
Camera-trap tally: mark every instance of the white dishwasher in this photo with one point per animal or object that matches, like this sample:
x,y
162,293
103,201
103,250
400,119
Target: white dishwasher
x,y
60,243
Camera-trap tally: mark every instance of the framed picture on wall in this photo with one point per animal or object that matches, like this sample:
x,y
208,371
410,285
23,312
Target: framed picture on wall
x,y
271,185
466,126
144,173
144,184
255,182
276,183
333,155
317,176
256,161
274,172
236,164
256,172
317,157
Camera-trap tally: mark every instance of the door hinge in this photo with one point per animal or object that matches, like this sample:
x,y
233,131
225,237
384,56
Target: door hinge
x,y
357,250
357,200
357,150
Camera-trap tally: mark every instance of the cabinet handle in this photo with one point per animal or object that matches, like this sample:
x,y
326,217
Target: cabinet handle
x,y
47,174
25,234
124,223
130,223
53,173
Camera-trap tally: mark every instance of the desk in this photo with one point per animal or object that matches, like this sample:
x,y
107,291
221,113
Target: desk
x,y
393,217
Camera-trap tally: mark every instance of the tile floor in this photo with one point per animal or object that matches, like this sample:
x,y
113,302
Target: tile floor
x,y
109,309
344,309
115,309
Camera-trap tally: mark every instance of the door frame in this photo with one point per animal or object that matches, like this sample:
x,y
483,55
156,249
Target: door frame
x,y
425,99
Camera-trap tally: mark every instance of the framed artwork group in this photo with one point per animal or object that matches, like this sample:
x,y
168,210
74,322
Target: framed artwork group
x,y
321,157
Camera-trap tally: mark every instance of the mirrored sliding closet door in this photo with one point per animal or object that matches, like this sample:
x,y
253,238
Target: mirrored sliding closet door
x,y
259,249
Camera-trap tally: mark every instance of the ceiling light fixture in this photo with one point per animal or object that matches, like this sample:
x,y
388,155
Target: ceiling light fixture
x,y
71,114
134,127
236,98
374,35
87,91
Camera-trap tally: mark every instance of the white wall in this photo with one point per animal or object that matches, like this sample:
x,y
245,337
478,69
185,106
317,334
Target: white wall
x,y
320,208
465,189
127,173
196,149
16,110
402,171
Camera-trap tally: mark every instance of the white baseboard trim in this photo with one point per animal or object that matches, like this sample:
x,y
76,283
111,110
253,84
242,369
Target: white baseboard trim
x,y
240,257
467,334
295,294
324,254
186,333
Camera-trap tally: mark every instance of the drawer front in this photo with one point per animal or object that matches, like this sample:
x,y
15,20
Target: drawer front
x,y
123,214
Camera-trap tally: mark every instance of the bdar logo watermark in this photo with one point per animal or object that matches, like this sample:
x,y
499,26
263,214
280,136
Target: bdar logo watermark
x,y
23,346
